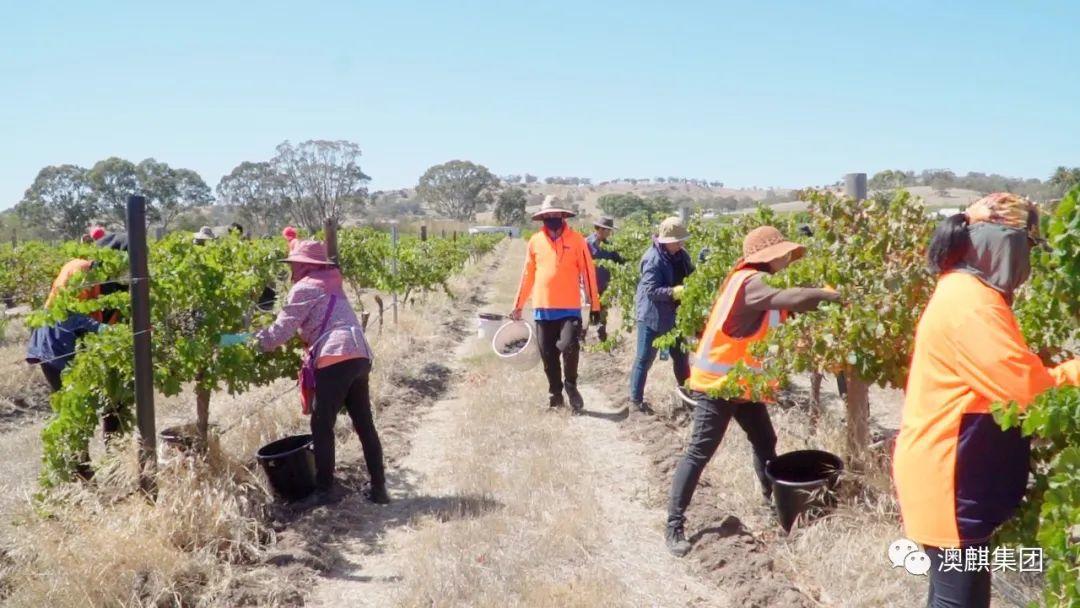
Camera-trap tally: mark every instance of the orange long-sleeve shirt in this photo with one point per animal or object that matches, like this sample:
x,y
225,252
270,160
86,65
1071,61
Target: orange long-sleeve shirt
x,y
554,271
958,475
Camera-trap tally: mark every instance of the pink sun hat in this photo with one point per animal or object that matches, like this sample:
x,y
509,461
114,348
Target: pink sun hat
x,y
309,252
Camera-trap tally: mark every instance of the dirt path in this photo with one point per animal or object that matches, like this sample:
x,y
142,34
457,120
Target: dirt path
x,y
501,503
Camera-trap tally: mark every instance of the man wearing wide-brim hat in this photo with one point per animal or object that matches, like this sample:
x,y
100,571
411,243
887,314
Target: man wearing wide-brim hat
x,y
557,265
664,267
204,235
744,312
603,228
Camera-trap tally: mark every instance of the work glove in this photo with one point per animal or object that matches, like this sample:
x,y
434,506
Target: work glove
x,y
676,292
515,315
594,317
233,339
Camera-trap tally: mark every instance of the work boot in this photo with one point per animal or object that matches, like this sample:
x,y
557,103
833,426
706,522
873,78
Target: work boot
x,y
639,408
602,333
676,541
555,401
375,493
576,402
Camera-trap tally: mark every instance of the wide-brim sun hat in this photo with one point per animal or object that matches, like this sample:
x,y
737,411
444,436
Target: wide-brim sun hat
x,y
205,234
309,252
765,244
672,230
605,222
549,206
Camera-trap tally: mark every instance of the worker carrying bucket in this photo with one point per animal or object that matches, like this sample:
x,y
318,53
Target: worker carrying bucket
x,y
337,365
557,264
744,311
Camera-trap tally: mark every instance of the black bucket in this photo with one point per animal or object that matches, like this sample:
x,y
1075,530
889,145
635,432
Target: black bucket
x,y
804,484
183,437
289,464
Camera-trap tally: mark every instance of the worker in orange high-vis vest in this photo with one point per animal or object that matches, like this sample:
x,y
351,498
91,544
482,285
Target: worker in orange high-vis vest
x,y
958,475
744,311
557,266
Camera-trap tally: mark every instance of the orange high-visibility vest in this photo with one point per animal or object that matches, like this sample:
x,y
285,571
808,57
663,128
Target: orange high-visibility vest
x,y
718,353
67,271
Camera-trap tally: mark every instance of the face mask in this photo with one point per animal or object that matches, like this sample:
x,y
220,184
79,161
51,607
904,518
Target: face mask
x,y
553,224
1000,256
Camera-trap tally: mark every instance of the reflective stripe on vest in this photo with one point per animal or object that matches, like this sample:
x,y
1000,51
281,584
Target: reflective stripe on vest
x,y
718,353
702,361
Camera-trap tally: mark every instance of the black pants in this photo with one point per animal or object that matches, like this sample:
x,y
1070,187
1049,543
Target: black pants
x,y
344,383
557,338
711,418
110,422
601,324
956,589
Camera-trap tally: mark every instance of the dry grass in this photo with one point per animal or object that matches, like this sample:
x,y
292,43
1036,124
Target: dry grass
x,y
532,526
108,545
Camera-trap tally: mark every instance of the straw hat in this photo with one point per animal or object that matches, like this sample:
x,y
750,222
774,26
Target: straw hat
x,y
309,252
549,206
672,230
204,234
605,222
765,244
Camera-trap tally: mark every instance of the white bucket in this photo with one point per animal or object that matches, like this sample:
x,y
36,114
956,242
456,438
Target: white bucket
x,y
487,323
528,355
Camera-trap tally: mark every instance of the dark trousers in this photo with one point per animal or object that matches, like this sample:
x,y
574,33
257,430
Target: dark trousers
x,y
110,422
601,324
557,338
711,418
956,589
344,384
646,354
52,375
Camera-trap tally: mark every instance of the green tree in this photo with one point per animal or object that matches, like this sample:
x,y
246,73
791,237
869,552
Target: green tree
x,y
458,189
114,180
61,199
254,190
890,179
510,207
191,192
320,179
622,205
1065,179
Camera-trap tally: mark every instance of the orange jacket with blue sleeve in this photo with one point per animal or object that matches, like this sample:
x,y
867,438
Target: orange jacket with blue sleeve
x,y
555,269
958,475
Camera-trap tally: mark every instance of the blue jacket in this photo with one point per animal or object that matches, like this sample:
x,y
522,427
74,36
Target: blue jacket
x,y
653,301
603,275
54,345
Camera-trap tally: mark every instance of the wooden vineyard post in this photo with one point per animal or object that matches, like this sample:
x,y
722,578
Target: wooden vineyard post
x,y
423,233
857,397
202,414
140,325
815,397
858,420
330,230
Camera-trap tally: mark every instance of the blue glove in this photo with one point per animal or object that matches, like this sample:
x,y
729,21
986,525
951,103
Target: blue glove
x,y
233,339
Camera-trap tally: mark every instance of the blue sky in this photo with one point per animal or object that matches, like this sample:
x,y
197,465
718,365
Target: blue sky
x,y
753,93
